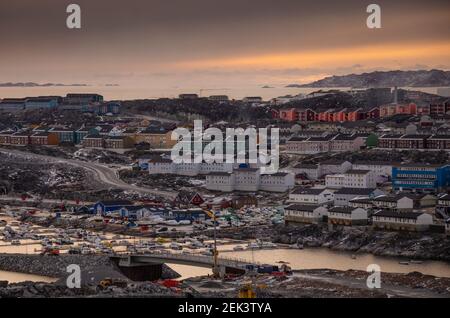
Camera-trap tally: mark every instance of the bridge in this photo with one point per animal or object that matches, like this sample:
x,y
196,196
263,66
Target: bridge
x,y
226,264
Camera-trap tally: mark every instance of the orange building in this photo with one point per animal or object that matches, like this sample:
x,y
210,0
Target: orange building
x,y
44,138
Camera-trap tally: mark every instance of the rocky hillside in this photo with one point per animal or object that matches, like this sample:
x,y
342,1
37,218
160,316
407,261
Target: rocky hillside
x,y
432,78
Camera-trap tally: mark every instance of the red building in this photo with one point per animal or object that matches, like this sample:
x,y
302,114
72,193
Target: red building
x,y
275,113
340,116
355,115
439,109
289,114
5,137
373,113
307,115
20,138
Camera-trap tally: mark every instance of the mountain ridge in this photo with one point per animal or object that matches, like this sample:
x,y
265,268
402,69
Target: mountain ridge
x,y
420,78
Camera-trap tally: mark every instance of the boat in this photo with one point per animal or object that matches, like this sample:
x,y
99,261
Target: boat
x,y
268,245
403,263
175,246
416,262
85,250
353,256
238,248
253,245
15,242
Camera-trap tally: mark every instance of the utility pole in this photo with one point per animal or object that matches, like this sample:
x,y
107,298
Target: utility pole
x,y
212,215
215,269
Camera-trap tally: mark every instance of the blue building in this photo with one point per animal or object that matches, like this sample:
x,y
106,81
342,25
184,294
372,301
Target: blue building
x,y
185,214
106,207
42,102
64,134
83,132
139,212
421,177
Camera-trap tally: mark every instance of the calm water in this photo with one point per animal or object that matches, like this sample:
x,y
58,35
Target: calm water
x,y
13,277
123,92
317,258
187,271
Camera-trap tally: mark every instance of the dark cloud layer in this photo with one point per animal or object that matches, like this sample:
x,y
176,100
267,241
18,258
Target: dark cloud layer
x,y
121,37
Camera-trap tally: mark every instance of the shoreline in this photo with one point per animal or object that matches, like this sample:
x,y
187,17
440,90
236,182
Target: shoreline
x,y
409,245
302,283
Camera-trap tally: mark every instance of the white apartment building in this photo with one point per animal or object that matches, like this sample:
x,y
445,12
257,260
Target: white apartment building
x,y
334,181
277,182
166,166
249,180
311,196
407,221
347,216
161,166
343,196
334,167
310,145
359,179
351,179
311,171
379,168
297,213
342,143
333,143
220,181
394,202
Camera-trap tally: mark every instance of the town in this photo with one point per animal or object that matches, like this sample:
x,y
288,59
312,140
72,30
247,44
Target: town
x,y
86,177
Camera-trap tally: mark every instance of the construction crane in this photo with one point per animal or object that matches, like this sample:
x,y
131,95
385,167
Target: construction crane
x,y
212,215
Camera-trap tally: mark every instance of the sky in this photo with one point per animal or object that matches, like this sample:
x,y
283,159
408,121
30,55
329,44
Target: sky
x,y
216,43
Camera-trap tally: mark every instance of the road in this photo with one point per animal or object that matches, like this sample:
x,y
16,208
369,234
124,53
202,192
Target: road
x,y
103,174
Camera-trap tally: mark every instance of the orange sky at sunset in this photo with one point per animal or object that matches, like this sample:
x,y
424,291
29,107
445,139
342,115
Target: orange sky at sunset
x,y
164,44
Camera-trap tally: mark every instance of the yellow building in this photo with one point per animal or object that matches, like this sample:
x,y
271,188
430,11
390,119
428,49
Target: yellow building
x,y
159,138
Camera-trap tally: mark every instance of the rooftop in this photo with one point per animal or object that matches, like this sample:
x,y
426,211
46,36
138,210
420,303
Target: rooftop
x,y
302,207
311,191
356,171
357,191
399,215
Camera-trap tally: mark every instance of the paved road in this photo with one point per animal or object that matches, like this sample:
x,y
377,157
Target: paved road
x,y
105,175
